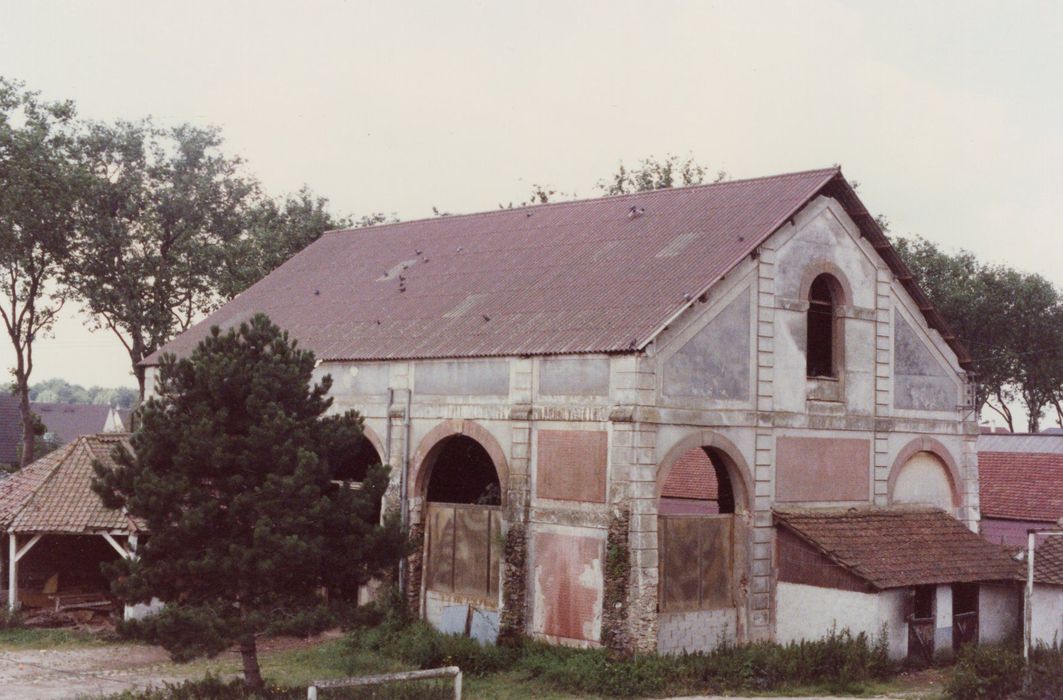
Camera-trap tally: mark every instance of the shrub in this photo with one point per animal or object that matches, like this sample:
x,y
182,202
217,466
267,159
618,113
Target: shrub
x,y
986,672
841,662
421,646
1046,674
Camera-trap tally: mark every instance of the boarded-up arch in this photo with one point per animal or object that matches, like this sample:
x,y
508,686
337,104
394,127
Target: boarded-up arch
x,y
924,472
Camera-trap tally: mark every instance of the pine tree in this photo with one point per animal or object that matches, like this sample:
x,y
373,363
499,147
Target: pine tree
x,y
231,474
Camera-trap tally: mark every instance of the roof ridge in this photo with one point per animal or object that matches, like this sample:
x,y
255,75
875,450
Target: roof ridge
x,y
582,200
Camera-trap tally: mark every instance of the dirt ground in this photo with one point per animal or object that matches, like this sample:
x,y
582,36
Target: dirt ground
x,y
62,674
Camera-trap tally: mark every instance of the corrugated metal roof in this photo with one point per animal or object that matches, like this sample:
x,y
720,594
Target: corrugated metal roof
x,y
599,275
1040,443
54,494
897,546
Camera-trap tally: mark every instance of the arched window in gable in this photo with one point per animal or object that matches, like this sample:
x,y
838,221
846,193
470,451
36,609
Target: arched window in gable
x,y
823,347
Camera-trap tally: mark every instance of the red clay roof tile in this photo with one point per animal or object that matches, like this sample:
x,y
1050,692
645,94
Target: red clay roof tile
x,y
897,546
1021,485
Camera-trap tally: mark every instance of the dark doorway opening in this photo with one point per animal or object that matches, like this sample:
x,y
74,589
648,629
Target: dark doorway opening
x,y
463,472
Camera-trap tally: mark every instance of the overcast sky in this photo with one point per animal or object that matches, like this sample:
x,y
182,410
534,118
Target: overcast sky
x,y
948,114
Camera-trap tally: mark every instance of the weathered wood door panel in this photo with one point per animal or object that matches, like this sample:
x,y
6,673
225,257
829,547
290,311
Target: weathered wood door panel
x,y
696,555
463,550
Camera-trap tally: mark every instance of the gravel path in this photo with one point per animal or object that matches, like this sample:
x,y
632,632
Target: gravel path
x,y
57,674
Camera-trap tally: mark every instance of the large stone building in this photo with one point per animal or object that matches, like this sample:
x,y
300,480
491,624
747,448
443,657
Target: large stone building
x,y
607,418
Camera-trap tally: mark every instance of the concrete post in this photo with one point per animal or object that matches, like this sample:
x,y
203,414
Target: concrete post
x,y
12,572
943,619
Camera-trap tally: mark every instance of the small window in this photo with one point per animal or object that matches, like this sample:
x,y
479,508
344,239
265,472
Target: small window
x,y
822,331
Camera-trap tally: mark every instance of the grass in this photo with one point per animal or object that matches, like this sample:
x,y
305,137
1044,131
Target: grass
x,y
29,638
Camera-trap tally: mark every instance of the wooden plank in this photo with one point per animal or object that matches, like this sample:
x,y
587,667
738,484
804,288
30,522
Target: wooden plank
x,y
471,556
715,560
439,572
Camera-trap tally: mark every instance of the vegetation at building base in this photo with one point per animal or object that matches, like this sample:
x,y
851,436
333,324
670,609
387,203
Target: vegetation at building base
x,y
841,662
996,672
232,473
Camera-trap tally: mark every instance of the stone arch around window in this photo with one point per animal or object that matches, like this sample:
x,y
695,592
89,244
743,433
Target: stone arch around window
x,y
435,441
738,471
825,291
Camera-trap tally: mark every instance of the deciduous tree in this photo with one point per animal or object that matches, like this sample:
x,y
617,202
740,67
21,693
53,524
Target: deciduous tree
x,y
231,472
277,229
38,183
159,213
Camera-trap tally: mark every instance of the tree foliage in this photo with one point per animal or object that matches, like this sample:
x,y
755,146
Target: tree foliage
x,y
160,209
61,391
657,174
38,185
277,229
231,473
1011,322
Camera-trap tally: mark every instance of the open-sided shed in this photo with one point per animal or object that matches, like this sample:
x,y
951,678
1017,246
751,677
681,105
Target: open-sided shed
x,y
58,530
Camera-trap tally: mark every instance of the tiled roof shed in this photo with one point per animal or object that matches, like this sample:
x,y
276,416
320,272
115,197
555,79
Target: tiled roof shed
x,y
594,276
54,494
1021,476
901,546
1048,561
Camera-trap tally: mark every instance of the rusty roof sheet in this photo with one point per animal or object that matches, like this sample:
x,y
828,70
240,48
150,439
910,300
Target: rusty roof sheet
x,y
897,546
54,494
598,275
1021,485
1048,561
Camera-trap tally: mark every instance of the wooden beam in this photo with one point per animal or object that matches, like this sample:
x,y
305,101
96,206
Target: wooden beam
x,y
28,546
126,554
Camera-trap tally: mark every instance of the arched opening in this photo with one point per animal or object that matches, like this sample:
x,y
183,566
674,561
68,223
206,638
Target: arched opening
x,y
463,472
822,349
698,484
699,541
463,529
355,465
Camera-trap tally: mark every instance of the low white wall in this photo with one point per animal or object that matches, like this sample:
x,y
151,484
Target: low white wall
x,y
702,630
1047,614
811,612
999,613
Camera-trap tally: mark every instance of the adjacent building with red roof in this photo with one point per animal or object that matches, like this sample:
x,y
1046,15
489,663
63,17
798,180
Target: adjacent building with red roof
x,y
665,374
1020,484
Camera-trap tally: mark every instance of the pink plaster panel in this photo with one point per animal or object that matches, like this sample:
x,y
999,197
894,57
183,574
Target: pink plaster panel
x,y
822,469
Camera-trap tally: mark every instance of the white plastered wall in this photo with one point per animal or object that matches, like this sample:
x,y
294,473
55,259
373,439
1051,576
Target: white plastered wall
x,y
811,612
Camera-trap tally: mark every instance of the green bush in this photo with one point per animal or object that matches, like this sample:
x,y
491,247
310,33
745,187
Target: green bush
x,y
986,672
1046,674
212,688
840,662
421,646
